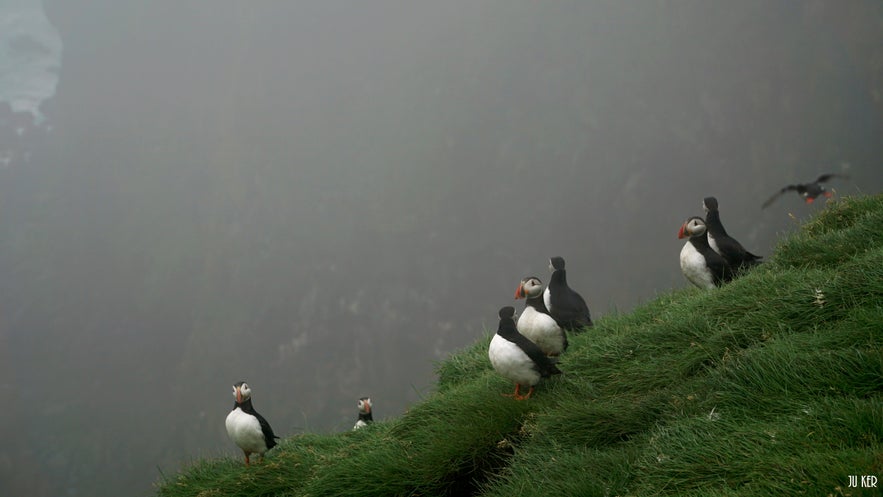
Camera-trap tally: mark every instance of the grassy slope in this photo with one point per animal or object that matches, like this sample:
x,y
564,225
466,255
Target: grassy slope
x,y
771,385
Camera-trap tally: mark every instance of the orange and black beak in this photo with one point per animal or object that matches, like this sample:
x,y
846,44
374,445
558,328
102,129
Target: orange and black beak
x,y
681,232
238,395
519,292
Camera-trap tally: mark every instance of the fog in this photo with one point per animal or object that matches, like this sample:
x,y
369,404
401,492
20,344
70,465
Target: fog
x,y
325,198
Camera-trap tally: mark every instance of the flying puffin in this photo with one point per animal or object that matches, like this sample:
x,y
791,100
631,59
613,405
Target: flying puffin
x,y
809,191
535,322
565,305
722,243
365,417
517,358
701,265
248,429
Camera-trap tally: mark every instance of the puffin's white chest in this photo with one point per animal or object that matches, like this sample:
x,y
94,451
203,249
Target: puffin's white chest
x,y
245,431
510,361
542,330
547,298
713,244
694,267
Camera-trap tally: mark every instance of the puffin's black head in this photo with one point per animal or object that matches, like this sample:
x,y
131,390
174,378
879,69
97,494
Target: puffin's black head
x,y
693,226
556,263
530,286
507,322
709,204
365,405
241,392
507,312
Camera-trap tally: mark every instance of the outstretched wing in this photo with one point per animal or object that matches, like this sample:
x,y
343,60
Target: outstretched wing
x,y
827,177
778,194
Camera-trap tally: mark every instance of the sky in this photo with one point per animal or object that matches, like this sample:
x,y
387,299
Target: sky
x,y
327,198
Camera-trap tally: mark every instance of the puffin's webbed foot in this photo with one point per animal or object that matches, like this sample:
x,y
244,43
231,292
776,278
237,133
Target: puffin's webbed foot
x,y
524,397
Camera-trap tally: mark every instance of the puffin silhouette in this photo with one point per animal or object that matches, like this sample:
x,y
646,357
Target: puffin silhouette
x,y
809,191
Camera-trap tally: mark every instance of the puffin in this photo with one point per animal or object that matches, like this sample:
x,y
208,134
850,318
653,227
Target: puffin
x,y
248,429
565,305
535,322
517,358
809,191
701,265
722,243
365,417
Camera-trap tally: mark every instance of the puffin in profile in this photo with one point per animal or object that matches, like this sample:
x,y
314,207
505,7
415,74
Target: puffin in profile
x,y
365,417
809,191
248,429
565,305
701,265
535,322
722,243
517,358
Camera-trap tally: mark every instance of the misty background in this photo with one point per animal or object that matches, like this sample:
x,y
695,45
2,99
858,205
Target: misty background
x,y
326,198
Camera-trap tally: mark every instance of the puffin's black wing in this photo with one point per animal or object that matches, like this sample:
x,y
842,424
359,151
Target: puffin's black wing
x,y
544,365
735,253
571,312
507,330
580,316
721,272
720,269
827,177
772,199
269,436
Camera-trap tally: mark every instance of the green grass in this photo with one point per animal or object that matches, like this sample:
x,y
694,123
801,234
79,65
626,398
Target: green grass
x,y
771,385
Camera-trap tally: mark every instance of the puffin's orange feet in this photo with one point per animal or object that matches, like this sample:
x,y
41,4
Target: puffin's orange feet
x,y
524,397
517,393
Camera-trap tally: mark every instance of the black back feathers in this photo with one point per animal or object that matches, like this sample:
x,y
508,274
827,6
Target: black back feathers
x,y
542,364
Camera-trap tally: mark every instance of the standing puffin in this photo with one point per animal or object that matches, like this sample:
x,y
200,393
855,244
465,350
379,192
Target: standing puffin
x,y
722,243
517,358
248,429
365,417
565,305
535,322
701,265
809,191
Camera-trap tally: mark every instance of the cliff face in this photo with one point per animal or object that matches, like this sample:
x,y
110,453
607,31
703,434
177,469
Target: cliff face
x,y
770,385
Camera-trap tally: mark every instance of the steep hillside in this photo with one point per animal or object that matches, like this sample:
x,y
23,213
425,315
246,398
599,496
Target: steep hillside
x,y
771,385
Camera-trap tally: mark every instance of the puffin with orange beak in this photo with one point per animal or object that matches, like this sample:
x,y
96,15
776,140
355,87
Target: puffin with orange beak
x,y
535,322
248,429
365,416
701,265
